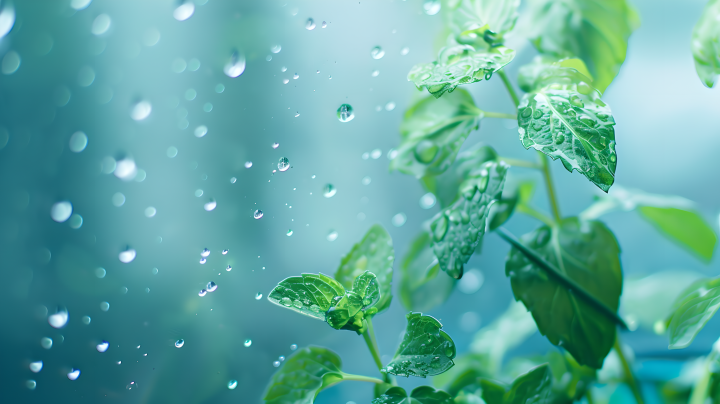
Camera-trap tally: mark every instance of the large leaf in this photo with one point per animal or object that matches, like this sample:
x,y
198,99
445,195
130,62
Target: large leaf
x,y
420,395
533,387
675,217
587,253
574,126
706,44
569,74
457,65
695,306
433,132
303,375
374,253
426,350
498,16
421,289
459,229
595,31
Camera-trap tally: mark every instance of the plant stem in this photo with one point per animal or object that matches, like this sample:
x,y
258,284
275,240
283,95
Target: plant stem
x,y
589,396
549,185
629,377
520,163
700,389
359,378
487,114
510,88
532,212
369,336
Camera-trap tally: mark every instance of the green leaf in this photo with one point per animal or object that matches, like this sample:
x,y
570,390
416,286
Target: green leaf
x,y
433,132
695,306
501,211
420,395
534,387
425,350
374,253
595,31
567,74
446,186
587,253
459,229
421,289
303,375
457,65
465,397
473,15
577,128
706,44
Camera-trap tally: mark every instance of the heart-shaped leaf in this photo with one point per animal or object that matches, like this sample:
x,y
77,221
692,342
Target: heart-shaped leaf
x,y
421,289
303,375
695,306
587,253
498,16
458,230
420,395
533,387
425,350
457,65
374,253
706,44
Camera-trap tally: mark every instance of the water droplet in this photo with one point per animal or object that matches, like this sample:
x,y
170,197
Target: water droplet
x,y
184,11
281,358
100,272
36,366
375,73
205,252
329,191
432,7
74,374
293,347
202,292
425,151
404,51
132,385
229,268
324,24
232,384
559,138
427,201
101,24
210,205
86,320
276,49
31,384
285,81
179,343
399,219
46,343
141,110
224,252
276,363
118,199
258,296
247,342
211,286
345,113
377,52
201,131
310,24
203,260
61,211
59,319
289,233
103,346
127,256
283,69
248,164
150,211
104,306
332,236
258,214
283,164
389,106
275,145
78,142
235,66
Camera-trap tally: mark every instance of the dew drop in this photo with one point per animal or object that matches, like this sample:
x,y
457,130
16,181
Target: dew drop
x,y
276,49
247,342
224,252
74,374
283,164
205,252
184,11
102,347
329,191
258,296
432,7
310,24
427,201
276,364
399,219
375,73
104,306
258,214
61,211
210,205
275,145
35,367
229,268
345,113
235,66
203,260
179,343
211,286
289,233
202,292
248,164
389,106
59,319
201,131
293,347
332,236
232,384
404,51
78,142
127,256
141,110
324,24
377,52
31,384
46,343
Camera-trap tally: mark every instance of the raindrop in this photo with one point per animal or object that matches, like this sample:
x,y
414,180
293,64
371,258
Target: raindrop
x,y
324,24
203,260
276,49
283,69
202,292
235,66
141,110
127,256
399,219
345,113
375,73
258,296
118,199
211,286
427,201
289,233
329,191
101,24
205,252
74,374
46,343
232,384
247,342
296,76
36,366
78,142
198,192
283,164
104,306
229,268
276,363
103,346
150,211
31,384
211,205
310,24
375,154
59,319
258,214
389,106
100,272
61,211
377,52
404,51
224,252
281,358
332,236
184,11
432,7
293,347
86,320
275,145
125,169
179,343
201,131
233,180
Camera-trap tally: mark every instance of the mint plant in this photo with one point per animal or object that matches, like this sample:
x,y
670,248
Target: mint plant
x,y
567,273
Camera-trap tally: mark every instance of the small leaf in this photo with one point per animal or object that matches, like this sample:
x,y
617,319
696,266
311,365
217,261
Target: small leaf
x,y
303,375
433,132
706,44
420,395
577,128
595,31
588,254
459,229
501,211
421,289
457,65
425,350
544,71
374,253
533,387
695,306
471,15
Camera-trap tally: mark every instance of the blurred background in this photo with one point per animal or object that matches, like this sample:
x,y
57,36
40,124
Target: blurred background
x,y
136,134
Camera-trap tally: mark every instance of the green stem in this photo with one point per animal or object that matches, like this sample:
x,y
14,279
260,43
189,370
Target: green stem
x,y
359,378
510,88
629,376
532,212
502,115
589,396
700,389
549,185
520,163
369,337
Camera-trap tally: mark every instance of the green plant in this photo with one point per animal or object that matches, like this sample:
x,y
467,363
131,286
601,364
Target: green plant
x,y
567,273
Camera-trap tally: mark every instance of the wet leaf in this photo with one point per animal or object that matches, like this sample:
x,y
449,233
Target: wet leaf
x,y
595,31
695,306
706,44
458,230
533,387
303,375
457,65
502,211
374,253
425,350
419,395
421,289
575,127
498,16
544,71
587,253
432,133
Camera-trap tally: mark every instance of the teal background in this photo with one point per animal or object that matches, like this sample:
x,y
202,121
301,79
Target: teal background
x,y
667,142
